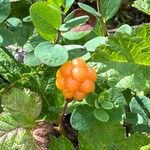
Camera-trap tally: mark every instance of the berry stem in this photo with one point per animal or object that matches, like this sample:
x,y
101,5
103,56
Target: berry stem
x,y
60,126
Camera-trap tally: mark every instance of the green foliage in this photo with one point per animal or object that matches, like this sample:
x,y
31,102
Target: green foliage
x,y
31,60
14,22
22,34
109,8
140,105
142,5
61,143
46,19
74,22
45,34
101,114
7,36
12,135
94,43
21,108
82,118
123,47
5,8
52,55
110,136
89,9
23,105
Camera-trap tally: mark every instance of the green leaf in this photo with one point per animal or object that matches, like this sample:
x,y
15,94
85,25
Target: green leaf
x,y
107,105
76,21
75,35
126,82
82,118
27,19
103,136
14,22
12,135
97,105
135,142
24,105
131,118
56,3
109,8
147,147
110,136
52,55
75,51
142,5
141,105
104,96
89,9
123,47
125,29
68,4
8,37
94,43
1,40
31,60
90,98
5,8
60,143
47,19
22,34
101,115
33,42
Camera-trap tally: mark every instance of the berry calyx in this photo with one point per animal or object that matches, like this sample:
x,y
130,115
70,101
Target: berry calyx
x,y
76,79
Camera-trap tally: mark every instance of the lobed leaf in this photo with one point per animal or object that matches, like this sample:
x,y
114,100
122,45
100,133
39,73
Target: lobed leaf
x,y
24,105
123,47
12,135
108,136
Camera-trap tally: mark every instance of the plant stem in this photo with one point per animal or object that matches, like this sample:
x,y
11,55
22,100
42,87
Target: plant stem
x,y
62,116
102,20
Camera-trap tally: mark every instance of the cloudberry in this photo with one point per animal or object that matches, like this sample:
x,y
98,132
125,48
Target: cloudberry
x,y
87,86
71,84
75,79
79,73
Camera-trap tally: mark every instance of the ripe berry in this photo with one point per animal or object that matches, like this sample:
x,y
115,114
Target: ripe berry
x,y
87,86
66,69
79,95
79,73
91,74
71,84
75,79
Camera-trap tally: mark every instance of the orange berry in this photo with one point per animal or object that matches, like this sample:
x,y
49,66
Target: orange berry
x,y
79,73
66,69
92,74
79,95
87,86
79,62
60,83
71,84
75,79
67,94
58,74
